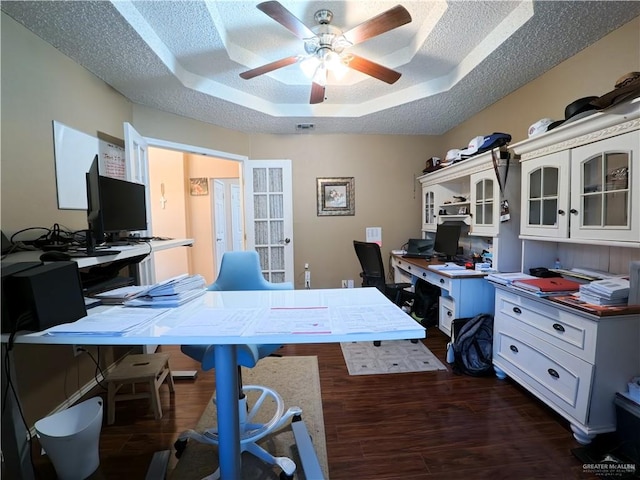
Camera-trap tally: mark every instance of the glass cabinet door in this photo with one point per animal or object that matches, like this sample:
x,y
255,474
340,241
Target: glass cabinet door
x,y
602,185
483,203
545,196
605,191
429,211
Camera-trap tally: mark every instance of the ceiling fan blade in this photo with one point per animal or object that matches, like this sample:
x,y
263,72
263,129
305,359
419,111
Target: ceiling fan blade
x,y
285,18
373,69
317,93
269,67
392,18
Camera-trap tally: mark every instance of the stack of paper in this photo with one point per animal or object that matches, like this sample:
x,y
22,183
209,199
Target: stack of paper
x,y
118,296
508,278
115,321
173,292
611,291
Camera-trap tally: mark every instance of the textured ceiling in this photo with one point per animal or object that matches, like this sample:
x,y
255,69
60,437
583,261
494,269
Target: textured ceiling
x,y
185,57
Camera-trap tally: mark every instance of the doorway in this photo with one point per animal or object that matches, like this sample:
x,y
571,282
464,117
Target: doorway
x,y
179,210
265,196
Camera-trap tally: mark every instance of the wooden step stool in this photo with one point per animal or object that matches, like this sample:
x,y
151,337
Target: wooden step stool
x,y
152,369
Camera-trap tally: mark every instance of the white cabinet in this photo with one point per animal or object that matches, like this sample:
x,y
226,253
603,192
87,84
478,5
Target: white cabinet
x,y
545,196
581,182
566,357
485,204
475,180
605,189
430,199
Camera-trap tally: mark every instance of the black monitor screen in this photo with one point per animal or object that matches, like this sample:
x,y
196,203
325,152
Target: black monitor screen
x,y
447,237
113,205
122,204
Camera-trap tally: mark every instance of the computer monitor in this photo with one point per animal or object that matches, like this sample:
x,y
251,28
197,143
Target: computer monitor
x,y
113,206
446,242
419,248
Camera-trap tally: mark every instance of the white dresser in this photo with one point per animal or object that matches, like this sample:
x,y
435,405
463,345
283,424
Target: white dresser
x,y
573,361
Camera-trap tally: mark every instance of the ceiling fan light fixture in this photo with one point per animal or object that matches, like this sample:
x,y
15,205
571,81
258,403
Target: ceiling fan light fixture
x,y
320,76
324,45
309,66
335,63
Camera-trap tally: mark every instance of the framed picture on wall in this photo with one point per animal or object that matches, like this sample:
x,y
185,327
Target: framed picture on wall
x,y
199,186
336,196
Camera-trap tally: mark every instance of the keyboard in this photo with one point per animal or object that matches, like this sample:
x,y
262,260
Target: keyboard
x,y
416,255
97,253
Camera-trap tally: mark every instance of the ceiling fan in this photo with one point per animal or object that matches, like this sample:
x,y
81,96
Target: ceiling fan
x,y
325,45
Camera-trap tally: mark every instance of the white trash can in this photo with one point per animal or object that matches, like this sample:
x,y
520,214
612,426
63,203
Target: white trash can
x,y
71,439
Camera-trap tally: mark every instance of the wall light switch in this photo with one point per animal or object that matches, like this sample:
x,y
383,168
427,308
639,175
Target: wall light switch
x,y
349,283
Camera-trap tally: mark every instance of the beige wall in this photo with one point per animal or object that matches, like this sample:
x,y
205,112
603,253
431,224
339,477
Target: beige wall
x,y
168,218
40,85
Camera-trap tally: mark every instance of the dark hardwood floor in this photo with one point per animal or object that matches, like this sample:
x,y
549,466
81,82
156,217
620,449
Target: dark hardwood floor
x,y
432,425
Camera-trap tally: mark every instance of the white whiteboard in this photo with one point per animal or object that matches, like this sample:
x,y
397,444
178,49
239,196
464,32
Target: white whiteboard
x,y
74,151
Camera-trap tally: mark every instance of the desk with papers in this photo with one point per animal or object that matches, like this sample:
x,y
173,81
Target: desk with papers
x,y
464,293
228,319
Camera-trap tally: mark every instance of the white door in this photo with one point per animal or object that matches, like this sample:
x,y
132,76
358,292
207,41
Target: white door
x,y
137,170
237,228
219,221
268,191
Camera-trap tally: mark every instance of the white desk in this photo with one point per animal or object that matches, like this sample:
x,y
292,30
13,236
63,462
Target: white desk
x,y
126,251
360,314
465,295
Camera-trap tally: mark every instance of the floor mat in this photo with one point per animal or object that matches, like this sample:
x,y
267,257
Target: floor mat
x,y
392,356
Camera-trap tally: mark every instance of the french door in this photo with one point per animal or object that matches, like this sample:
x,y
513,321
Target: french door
x,y
269,216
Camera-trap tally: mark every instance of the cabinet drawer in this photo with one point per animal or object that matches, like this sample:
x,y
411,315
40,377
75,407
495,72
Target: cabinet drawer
x,y
562,329
447,314
561,378
439,281
409,268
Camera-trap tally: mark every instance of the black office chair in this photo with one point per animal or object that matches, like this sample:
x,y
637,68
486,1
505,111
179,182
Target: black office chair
x,y
373,275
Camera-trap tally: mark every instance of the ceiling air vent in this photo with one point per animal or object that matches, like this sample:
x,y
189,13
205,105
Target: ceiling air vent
x,y
305,127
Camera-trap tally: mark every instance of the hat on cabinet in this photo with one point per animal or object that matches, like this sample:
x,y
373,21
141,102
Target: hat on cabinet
x,y
495,140
539,127
431,165
626,87
485,143
576,110
474,145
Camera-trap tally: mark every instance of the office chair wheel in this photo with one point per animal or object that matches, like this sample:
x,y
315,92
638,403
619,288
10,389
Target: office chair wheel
x,y
414,340
284,476
180,445
376,343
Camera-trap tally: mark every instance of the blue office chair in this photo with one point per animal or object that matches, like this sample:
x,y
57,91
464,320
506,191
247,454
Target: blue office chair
x,y
242,271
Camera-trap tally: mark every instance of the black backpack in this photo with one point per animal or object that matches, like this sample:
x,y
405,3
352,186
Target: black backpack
x,y
426,304
473,347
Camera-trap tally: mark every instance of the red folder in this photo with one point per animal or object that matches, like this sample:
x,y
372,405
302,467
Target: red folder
x,y
554,284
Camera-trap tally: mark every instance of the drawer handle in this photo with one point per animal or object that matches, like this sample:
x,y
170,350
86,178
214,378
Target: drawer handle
x,y
558,327
442,280
517,310
513,348
424,274
449,314
553,373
